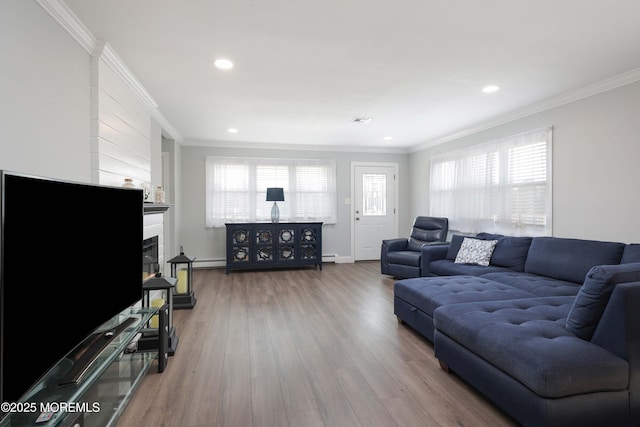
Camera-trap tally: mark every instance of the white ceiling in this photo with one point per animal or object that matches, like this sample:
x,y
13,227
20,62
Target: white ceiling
x,y
304,69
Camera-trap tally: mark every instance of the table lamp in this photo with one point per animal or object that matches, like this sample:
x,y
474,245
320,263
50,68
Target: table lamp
x,y
275,195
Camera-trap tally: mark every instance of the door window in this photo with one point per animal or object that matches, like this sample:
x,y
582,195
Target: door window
x,y
374,193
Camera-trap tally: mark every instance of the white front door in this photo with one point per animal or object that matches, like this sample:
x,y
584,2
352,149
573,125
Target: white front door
x,y
374,208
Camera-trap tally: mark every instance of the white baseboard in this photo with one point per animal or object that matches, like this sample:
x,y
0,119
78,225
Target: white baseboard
x,y
221,263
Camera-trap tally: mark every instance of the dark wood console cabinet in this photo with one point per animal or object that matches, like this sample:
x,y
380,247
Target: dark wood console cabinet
x,y
258,245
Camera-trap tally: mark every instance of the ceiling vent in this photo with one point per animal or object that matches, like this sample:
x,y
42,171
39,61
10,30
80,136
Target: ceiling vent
x,y
361,119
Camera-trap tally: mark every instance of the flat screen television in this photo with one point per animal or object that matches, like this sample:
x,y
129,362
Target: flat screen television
x,y
70,260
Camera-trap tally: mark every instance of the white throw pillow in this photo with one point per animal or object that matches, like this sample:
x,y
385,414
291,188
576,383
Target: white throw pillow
x,y
475,251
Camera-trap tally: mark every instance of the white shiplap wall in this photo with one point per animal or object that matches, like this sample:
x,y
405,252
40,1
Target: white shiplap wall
x,y
121,132
120,124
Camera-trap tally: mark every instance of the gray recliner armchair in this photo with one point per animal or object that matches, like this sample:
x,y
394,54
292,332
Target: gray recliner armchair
x,y
401,257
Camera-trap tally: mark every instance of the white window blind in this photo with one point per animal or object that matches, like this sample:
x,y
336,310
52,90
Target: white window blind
x,y
502,186
236,190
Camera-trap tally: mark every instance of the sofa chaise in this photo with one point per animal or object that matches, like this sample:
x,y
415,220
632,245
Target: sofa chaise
x,y
547,328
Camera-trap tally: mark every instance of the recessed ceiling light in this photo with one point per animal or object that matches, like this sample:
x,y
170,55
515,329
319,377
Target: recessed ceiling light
x,y
223,64
232,130
490,89
388,138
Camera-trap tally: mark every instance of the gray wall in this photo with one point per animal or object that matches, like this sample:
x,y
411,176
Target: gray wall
x,y
44,95
209,244
596,153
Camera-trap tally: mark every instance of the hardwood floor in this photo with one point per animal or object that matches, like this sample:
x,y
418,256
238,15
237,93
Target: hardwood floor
x,y
302,347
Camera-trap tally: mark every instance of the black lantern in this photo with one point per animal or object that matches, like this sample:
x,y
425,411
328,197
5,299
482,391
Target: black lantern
x,y
165,287
182,269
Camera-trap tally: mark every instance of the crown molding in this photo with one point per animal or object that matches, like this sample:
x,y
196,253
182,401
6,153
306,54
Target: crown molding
x,y
296,147
70,22
557,101
105,52
98,48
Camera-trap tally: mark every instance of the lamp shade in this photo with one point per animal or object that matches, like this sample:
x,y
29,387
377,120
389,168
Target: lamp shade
x,y
275,194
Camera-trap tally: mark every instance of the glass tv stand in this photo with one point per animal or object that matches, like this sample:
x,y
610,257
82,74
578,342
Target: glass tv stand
x,y
98,394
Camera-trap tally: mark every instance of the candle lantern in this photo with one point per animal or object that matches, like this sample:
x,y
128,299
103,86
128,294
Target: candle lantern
x,y
162,289
182,270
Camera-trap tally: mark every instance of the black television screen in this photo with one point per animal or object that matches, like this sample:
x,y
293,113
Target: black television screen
x,y
70,259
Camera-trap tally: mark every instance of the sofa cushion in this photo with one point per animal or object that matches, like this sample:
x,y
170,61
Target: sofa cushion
x,y
594,295
526,339
489,236
631,253
475,251
570,259
454,246
511,252
446,267
415,244
537,285
429,293
404,257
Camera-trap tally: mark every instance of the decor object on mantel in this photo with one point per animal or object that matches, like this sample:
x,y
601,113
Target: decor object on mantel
x,y
182,269
146,187
128,183
151,335
159,196
275,195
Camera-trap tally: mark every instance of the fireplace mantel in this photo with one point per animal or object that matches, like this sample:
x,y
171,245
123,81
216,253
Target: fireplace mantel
x,y
151,208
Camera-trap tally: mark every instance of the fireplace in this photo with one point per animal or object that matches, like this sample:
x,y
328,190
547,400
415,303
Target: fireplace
x,y
150,262
153,242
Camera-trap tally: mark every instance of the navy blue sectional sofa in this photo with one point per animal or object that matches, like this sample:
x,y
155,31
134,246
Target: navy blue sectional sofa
x,y
549,330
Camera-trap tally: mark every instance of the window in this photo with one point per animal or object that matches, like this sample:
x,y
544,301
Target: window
x,y
502,186
236,190
374,194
